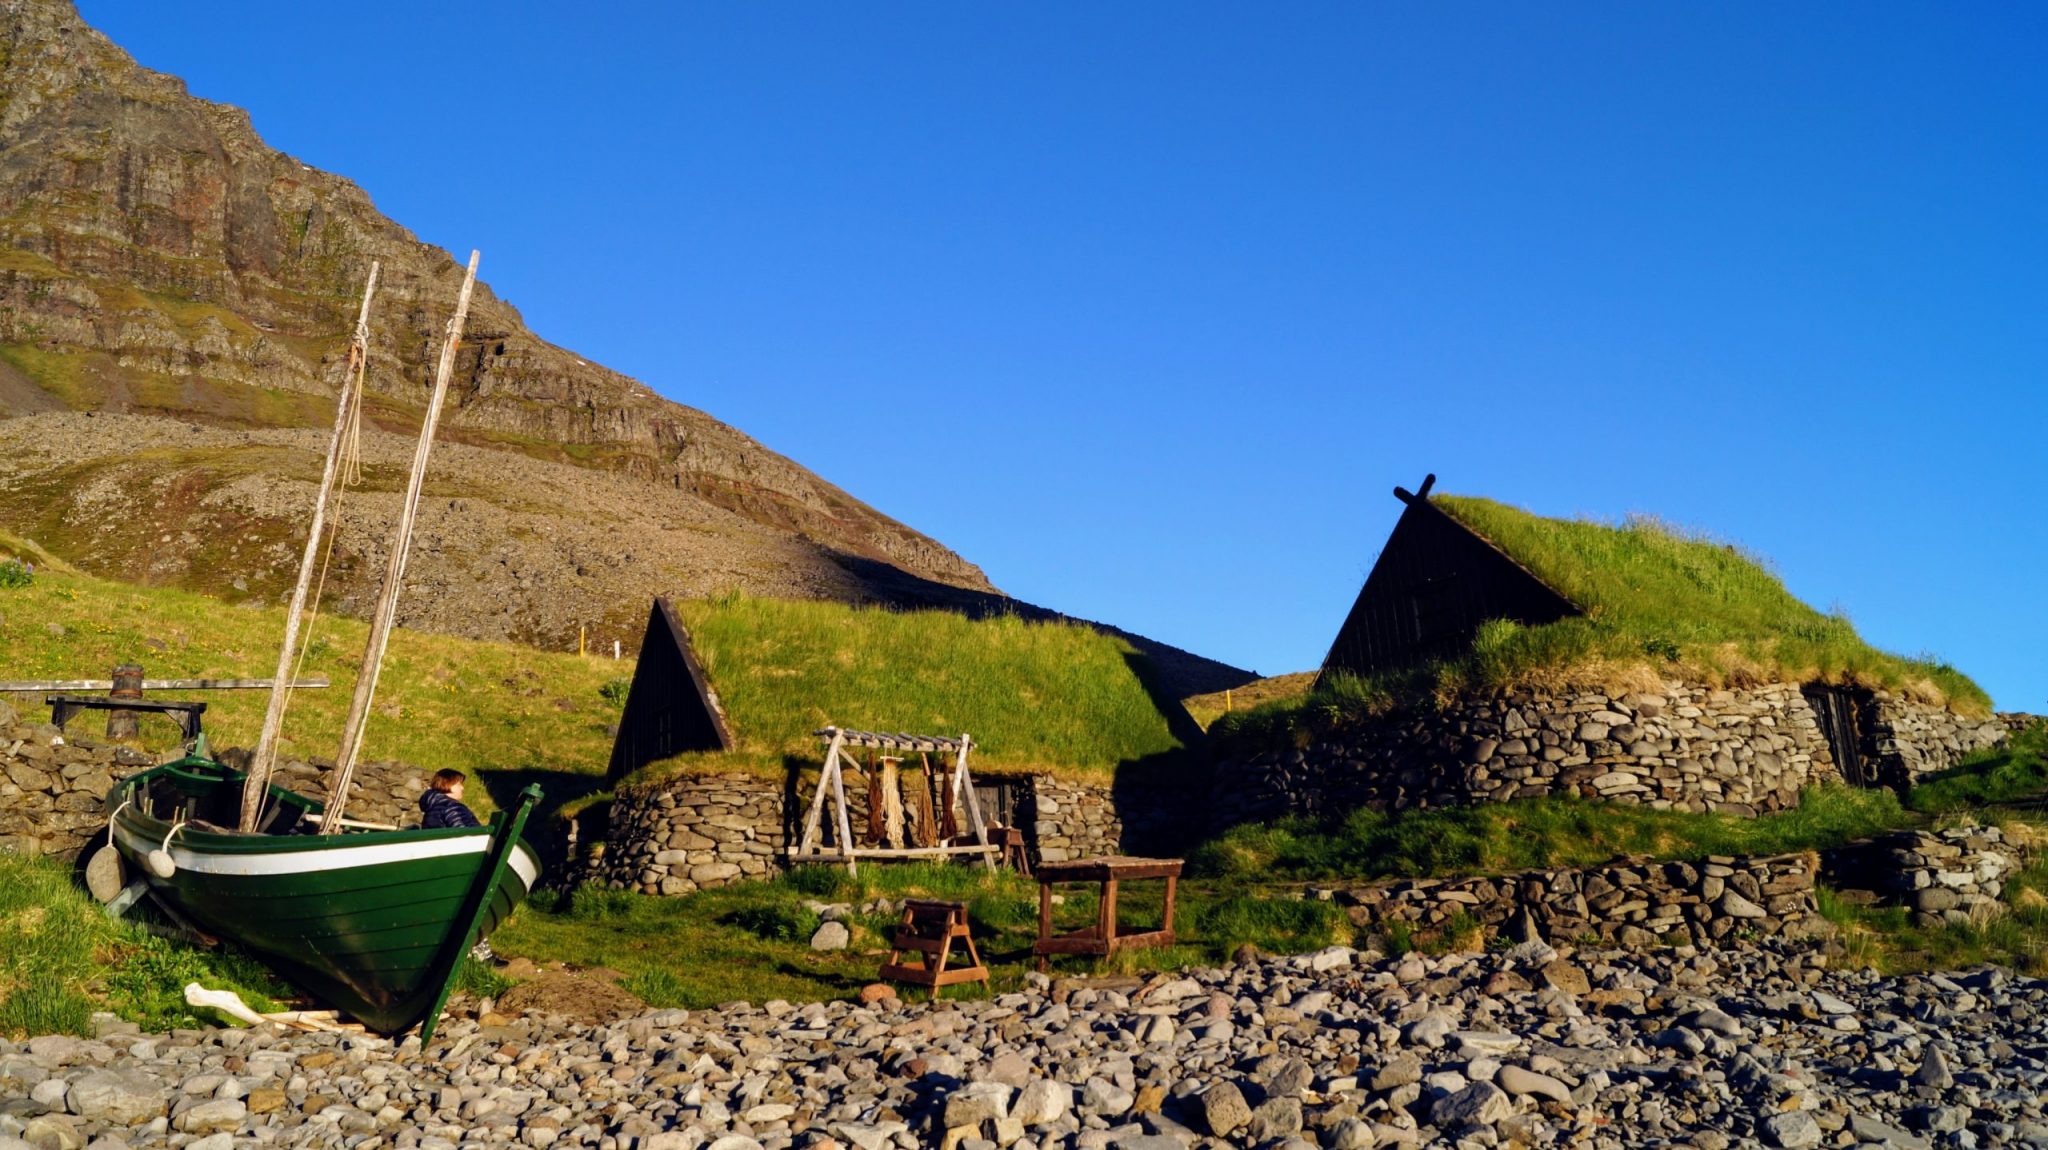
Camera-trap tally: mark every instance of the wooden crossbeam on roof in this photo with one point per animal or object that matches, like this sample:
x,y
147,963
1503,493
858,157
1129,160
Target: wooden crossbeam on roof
x,y
888,741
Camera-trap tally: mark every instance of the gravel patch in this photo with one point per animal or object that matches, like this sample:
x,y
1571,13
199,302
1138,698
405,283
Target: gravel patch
x,y
1675,1047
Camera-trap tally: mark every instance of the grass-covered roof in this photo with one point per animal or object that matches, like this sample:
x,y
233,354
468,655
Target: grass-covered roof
x,y
1657,595
1678,604
1058,697
1660,603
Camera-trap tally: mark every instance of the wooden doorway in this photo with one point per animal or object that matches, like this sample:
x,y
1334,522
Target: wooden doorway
x,y
1838,710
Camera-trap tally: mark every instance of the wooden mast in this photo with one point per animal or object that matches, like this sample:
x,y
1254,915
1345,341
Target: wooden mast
x,y
254,789
394,570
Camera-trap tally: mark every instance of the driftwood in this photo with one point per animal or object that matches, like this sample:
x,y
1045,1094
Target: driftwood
x,y
231,1004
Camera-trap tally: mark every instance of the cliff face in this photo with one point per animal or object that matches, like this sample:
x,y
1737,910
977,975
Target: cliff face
x,y
158,261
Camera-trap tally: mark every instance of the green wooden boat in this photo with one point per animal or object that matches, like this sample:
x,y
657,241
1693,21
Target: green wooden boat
x,y
373,923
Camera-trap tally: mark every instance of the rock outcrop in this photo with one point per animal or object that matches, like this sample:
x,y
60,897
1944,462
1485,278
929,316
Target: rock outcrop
x,y
158,259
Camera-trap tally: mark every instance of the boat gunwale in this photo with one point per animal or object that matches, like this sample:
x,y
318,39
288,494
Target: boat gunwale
x,y
226,841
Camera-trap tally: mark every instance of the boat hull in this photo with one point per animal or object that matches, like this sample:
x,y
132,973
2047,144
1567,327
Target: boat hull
x,y
372,923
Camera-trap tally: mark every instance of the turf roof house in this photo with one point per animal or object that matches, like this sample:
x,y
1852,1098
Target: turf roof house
x,y
1689,745
714,824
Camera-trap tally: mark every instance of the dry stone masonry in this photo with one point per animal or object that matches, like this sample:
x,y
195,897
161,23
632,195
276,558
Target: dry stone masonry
x,y
53,785
53,789
1717,901
693,832
1910,740
1951,876
1744,751
1072,820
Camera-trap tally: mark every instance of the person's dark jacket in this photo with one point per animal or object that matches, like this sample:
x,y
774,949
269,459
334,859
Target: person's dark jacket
x,y
440,809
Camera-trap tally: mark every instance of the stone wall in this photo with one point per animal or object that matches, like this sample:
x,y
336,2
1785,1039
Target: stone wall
x,y
1910,740
53,785
1957,875
690,833
1691,748
1074,820
1630,903
2017,721
53,788
693,832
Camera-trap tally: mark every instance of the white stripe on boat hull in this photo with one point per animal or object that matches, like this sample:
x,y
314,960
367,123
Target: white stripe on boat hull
x,y
331,859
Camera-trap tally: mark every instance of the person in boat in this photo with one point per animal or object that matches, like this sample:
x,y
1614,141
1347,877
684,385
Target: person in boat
x,y
441,804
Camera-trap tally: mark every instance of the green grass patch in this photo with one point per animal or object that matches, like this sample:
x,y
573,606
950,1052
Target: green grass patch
x,y
61,959
1035,696
1990,778
441,701
751,941
1498,838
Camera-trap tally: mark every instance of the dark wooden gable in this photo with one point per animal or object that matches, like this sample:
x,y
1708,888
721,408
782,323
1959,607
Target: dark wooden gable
x,y
1435,582
670,707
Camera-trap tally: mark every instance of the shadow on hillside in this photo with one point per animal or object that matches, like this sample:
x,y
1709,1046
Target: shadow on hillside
x,y
1162,801
543,827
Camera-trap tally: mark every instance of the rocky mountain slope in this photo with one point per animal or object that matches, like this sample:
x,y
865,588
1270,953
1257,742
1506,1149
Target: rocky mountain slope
x,y
175,298
156,257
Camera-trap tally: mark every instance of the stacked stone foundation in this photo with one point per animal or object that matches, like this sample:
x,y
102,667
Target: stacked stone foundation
x,y
692,833
1951,876
1743,751
1715,902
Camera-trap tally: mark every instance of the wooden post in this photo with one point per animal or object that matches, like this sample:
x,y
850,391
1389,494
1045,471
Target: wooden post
x,y
845,827
817,810
1106,916
394,571
258,783
1044,917
127,685
966,785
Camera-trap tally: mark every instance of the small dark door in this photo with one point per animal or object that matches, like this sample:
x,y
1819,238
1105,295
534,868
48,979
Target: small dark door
x,y
1836,709
1000,802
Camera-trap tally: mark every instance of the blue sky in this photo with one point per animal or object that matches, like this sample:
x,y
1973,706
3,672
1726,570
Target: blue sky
x,y
1145,308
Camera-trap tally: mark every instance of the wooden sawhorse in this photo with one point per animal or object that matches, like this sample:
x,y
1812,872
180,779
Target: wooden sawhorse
x,y
929,928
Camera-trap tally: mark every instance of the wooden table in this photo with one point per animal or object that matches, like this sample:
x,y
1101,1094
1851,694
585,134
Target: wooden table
x,y
1102,938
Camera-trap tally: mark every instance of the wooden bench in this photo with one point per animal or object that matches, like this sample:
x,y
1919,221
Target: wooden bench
x,y
928,929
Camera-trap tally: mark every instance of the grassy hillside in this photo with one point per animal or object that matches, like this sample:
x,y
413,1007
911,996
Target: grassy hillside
x,y
1034,695
1680,600
1050,696
441,701
1206,709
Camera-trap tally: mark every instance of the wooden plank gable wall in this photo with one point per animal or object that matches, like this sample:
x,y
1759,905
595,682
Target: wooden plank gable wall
x,y
670,707
1435,582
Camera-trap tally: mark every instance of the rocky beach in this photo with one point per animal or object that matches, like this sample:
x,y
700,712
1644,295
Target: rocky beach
x,y
1528,1046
